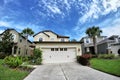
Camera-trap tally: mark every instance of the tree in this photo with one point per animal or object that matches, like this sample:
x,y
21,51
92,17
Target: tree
x,y
6,43
94,32
73,40
27,32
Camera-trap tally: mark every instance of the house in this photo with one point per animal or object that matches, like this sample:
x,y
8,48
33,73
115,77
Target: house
x,y
0,37
87,44
21,44
109,45
56,48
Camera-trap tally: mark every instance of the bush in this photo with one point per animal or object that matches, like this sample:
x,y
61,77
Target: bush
x,y
106,56
37,57
84,59
2,55
25,58
12,61
38,61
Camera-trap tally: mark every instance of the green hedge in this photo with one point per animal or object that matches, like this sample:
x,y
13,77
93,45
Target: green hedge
x,y
106,56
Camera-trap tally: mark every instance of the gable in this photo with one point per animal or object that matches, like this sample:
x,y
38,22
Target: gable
x,y
51,34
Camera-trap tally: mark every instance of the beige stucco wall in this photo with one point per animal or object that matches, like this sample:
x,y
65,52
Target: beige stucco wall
x,y
61,45
22,46
41,35
51,37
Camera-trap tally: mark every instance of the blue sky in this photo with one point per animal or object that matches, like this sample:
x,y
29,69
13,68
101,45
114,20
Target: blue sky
x,y
65,17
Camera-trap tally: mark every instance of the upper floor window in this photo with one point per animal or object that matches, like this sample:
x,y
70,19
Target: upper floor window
x,y
52,39
62,40
20,39
40,39
87,40
14,36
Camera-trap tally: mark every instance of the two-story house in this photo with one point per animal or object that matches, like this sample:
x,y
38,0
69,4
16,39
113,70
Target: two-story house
x,y
21,44
87,44
109,45
56,48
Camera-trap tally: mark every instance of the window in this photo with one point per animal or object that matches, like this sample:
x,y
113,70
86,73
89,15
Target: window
x,y
52,39
56,49
52,49
40,39
87,40
19,50
61,49
15,49
26,52
20,39
14,36
62,40
65,49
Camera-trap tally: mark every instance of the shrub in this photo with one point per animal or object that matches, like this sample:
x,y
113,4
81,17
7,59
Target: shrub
x,y
3,55
38,61
25,58
37,57
12,61
106,56
84,59
37,53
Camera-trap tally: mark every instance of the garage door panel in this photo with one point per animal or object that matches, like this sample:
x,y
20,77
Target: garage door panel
x,y
58,56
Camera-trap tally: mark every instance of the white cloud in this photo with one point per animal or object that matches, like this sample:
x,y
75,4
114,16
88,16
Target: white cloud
x,y
3,23
20,26
110,5
96,9
113,29
54,9
100,8
1,31
109,31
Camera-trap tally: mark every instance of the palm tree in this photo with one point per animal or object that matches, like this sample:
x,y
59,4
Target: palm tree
x,y
27,32
94,32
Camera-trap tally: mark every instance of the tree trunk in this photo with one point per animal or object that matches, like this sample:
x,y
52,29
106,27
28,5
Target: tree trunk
x,y
95,45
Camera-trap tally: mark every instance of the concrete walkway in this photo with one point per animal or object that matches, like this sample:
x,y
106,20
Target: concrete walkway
x,y
68,71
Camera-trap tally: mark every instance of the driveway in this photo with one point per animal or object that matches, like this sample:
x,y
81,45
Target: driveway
x,y
68,71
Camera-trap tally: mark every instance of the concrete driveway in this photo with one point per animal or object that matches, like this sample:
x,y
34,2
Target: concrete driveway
x,y
68,71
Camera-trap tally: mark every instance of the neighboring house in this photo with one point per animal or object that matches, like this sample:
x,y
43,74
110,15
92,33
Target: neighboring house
x,y
109,45
0,37
56,48
87,44
21,45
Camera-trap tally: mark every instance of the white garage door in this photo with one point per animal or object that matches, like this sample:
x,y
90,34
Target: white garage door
x,y
59,55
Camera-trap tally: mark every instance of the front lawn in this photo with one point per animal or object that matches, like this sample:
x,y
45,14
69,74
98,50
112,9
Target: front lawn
x,y
106,65
11,74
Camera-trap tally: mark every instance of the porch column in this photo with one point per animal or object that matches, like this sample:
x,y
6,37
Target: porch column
x,y
13,50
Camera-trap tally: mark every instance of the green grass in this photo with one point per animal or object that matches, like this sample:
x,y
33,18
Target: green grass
x,y
11,74
105,65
